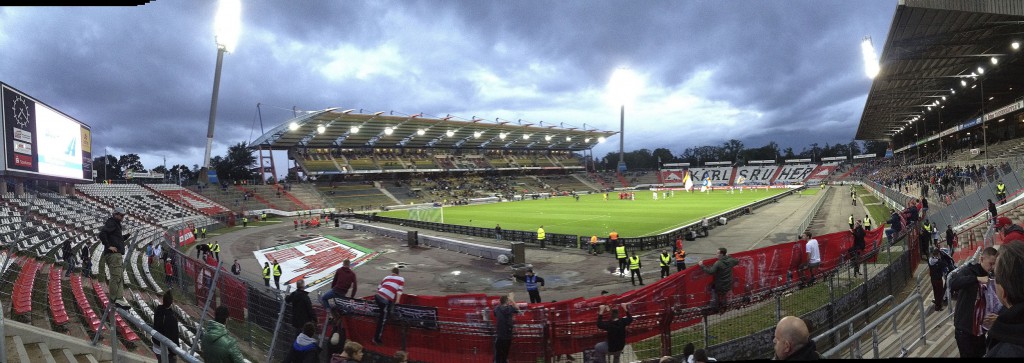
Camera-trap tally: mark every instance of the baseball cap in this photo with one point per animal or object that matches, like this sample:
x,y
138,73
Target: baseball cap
x,y
119,210
1003,222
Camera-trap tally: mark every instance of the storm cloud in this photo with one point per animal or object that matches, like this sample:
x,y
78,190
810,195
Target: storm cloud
x,y
788,71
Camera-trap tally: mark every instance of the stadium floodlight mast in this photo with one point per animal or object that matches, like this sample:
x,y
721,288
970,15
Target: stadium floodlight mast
x,y
623,88
871,66
227,27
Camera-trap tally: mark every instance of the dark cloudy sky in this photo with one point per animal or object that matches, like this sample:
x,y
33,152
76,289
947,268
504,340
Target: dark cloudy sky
x,y
784,70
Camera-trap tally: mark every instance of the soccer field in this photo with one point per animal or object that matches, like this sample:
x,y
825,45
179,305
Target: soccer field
x,y
593,215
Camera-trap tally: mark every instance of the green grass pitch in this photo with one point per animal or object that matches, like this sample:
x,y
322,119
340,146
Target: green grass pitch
x,y
593,215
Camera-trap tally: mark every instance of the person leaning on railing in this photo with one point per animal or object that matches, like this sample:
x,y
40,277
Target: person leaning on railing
x,y
1006,337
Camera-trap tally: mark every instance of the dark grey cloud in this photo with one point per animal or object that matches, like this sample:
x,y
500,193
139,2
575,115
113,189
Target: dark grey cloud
x,y
142,77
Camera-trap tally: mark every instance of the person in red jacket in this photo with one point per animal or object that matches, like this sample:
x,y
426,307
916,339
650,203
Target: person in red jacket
x,y
344,279
1011,231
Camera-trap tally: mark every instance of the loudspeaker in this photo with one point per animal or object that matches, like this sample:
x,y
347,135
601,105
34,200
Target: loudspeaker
x,y
413,238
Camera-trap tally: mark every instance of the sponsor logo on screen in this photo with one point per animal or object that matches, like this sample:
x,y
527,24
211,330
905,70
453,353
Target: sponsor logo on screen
x,y
24,161
23,148
22,135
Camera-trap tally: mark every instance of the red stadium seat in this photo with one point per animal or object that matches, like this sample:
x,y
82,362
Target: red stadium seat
x,y
60,315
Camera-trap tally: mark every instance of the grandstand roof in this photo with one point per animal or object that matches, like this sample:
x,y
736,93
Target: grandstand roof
x,y
934,44
332,128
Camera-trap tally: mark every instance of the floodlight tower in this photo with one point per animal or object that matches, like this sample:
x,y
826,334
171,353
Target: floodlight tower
x,y
623,89
227,26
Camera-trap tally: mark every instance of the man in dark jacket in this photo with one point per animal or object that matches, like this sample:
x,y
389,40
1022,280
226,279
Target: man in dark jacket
x,y
858,247
992,212
950,237
939,264
504,316
344,279
721,271
616,329
1006,337
86,260
166,323
113,238
793,340
895,225
302,307
68,255
970,340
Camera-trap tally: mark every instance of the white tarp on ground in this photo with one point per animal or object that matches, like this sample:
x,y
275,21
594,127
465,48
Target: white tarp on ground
x,y
314,258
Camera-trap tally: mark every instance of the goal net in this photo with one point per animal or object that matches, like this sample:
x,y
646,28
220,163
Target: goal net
x,y
427,214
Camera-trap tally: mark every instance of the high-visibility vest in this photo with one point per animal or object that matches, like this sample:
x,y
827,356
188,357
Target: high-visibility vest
x,y
927,227
216,247
867,222
593,240
540,233
209,246
680,256
665,260
1001,188
531,283
620,252
245,220
264,216
204,230
634,263
266,272
277,269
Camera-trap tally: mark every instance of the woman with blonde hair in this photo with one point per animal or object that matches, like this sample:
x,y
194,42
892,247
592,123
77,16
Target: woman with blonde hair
x,y
353,353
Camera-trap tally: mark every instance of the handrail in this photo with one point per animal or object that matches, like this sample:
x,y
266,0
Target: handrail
x,y
891,314
977,254
849,322
165,343
814,210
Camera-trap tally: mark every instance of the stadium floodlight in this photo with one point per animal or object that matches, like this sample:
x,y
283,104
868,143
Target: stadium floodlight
x,y
952,91
963,83
981,70
421,132
450,133
623,88
1015,45
293,126
547,137
526,136
871,67
502,136
476,135
943,98
227,26
600,139
587,140
320,129
354,129
995,60
568,138
388,130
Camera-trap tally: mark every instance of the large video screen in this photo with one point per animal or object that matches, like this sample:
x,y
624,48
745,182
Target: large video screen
x,y
41,140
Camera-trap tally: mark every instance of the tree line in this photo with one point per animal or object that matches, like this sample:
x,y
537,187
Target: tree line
x,y
734,151
238,164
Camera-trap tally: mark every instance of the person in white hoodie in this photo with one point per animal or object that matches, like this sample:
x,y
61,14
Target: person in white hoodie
x,y
305,348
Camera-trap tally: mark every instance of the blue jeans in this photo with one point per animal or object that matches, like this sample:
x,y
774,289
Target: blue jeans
x,y
331,294
384,305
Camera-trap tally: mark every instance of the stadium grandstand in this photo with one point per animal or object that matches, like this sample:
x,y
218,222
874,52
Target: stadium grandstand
x,y
951,114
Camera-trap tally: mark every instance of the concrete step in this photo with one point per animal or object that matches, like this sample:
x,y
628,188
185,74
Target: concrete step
x,y
39,352
86,358
63,356
16,352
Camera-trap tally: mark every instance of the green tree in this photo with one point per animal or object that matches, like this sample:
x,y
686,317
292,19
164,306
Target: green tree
x,y
130,162
106,168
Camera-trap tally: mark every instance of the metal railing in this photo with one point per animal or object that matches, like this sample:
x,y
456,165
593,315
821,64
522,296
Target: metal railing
x,y
849,323
814,210
853,342
165,343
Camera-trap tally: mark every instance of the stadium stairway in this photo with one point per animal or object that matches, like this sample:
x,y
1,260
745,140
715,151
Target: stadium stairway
x,y
29,344
385,191
258,197
622,179
585,181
